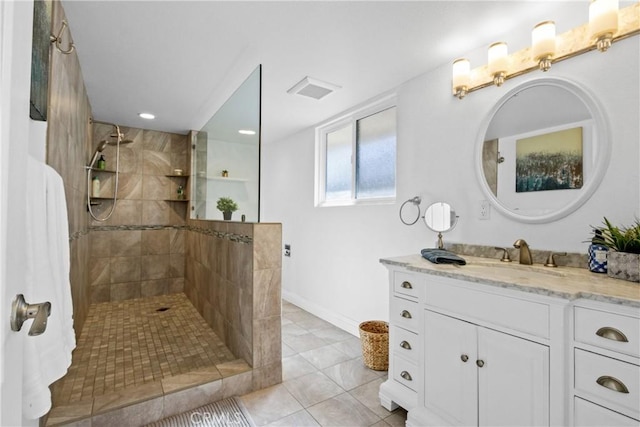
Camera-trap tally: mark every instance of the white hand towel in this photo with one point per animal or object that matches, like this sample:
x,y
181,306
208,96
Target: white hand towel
x,y
48,356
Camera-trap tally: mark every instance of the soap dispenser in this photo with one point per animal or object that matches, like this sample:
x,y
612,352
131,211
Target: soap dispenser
x,y
598,253
102,163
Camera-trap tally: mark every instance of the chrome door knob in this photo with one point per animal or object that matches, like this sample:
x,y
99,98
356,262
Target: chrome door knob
x,y
22,311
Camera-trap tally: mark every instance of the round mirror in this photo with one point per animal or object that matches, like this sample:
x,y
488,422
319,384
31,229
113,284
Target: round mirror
x,y
440,217
542,150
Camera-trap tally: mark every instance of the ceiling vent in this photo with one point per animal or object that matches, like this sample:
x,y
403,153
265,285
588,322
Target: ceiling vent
x,y
313,88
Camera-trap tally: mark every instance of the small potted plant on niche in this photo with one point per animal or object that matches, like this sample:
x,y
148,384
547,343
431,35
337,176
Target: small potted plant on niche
x,y
623,260
227,206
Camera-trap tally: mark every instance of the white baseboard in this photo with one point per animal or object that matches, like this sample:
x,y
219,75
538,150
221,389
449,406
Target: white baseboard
x,y
349,325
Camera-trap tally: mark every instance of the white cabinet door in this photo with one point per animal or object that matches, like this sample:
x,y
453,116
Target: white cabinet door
x,y
450,369
477,376
513,382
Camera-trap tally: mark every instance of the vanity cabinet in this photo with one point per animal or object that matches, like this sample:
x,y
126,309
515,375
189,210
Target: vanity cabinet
x,y
606,364
478,376
405,342
480,354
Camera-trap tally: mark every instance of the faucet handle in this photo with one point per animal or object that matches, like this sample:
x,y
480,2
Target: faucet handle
x,y
551,261
505,254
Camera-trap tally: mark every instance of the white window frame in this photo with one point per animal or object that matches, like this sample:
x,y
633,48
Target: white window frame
x,y
350,117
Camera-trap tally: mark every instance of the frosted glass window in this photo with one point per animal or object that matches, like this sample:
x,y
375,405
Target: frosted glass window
x,y
356,156
376,155
338,174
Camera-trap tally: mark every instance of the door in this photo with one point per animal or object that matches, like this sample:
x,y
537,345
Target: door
x,y
16,19
450,370
513,382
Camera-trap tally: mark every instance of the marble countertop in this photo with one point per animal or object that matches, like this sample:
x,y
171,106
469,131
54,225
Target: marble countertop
x,y
563,282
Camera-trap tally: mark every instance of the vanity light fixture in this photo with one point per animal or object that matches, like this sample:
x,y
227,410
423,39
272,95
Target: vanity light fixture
x,y
461,76
147,116
607,24
543,43
603,22
498,62
247,132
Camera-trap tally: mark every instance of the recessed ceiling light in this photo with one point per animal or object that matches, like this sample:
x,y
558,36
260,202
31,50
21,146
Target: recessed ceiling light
x,y
247,132
147,116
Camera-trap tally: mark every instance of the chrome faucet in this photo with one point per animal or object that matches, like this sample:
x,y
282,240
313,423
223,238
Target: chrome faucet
x,y
525,253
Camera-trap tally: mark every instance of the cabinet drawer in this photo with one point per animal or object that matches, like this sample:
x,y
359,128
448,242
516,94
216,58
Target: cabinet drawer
x,y
405,344
589,414
407,284
517,314
592,369
607,330
406,373
404,313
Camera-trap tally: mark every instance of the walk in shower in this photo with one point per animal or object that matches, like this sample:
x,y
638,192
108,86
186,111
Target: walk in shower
x,y
148,283
182,312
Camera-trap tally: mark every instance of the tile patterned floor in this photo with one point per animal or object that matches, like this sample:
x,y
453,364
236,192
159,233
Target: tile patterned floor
x,y
130,343
325,382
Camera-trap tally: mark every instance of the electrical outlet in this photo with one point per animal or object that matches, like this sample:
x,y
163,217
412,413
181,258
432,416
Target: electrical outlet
x,y
287,250
485,210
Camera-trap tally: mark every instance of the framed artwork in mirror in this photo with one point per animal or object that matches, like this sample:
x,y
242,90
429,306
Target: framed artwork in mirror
x,y
549,161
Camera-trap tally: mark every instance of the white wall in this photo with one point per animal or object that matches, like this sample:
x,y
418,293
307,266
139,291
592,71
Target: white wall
x,y
240,161
334,271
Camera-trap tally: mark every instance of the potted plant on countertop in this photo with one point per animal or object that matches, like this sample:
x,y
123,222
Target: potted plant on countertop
x,y
227,206
623,259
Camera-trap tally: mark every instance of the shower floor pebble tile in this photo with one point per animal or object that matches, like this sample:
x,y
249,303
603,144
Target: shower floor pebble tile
x,y
130,343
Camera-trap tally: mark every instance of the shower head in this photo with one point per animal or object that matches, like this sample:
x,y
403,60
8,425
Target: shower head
x,y
99,149
121,137
124,141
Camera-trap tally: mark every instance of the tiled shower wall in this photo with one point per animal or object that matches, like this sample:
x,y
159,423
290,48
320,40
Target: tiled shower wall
x,y
233,278
139,250
68,138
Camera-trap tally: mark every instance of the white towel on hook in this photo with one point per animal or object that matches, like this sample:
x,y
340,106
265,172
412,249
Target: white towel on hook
x,y
47,356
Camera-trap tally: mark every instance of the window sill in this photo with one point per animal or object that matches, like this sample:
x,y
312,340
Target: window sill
x,y
357,202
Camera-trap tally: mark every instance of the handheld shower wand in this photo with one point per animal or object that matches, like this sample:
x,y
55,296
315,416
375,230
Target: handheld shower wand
x,y
99,149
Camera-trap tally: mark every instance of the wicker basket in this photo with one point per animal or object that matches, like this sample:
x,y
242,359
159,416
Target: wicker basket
x,y
374,337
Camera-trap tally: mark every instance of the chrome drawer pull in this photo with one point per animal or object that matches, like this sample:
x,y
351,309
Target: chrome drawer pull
x,y
612,384
405,345
406,285
611,334
405,314
406,376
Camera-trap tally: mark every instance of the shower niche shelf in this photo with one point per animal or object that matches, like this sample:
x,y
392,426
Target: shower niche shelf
x,y
176,200
220,178
176,176
102,170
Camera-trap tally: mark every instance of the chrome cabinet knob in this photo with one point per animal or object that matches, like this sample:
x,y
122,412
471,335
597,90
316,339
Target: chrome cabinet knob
x,y
406,375
464,358
405,345
480,363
